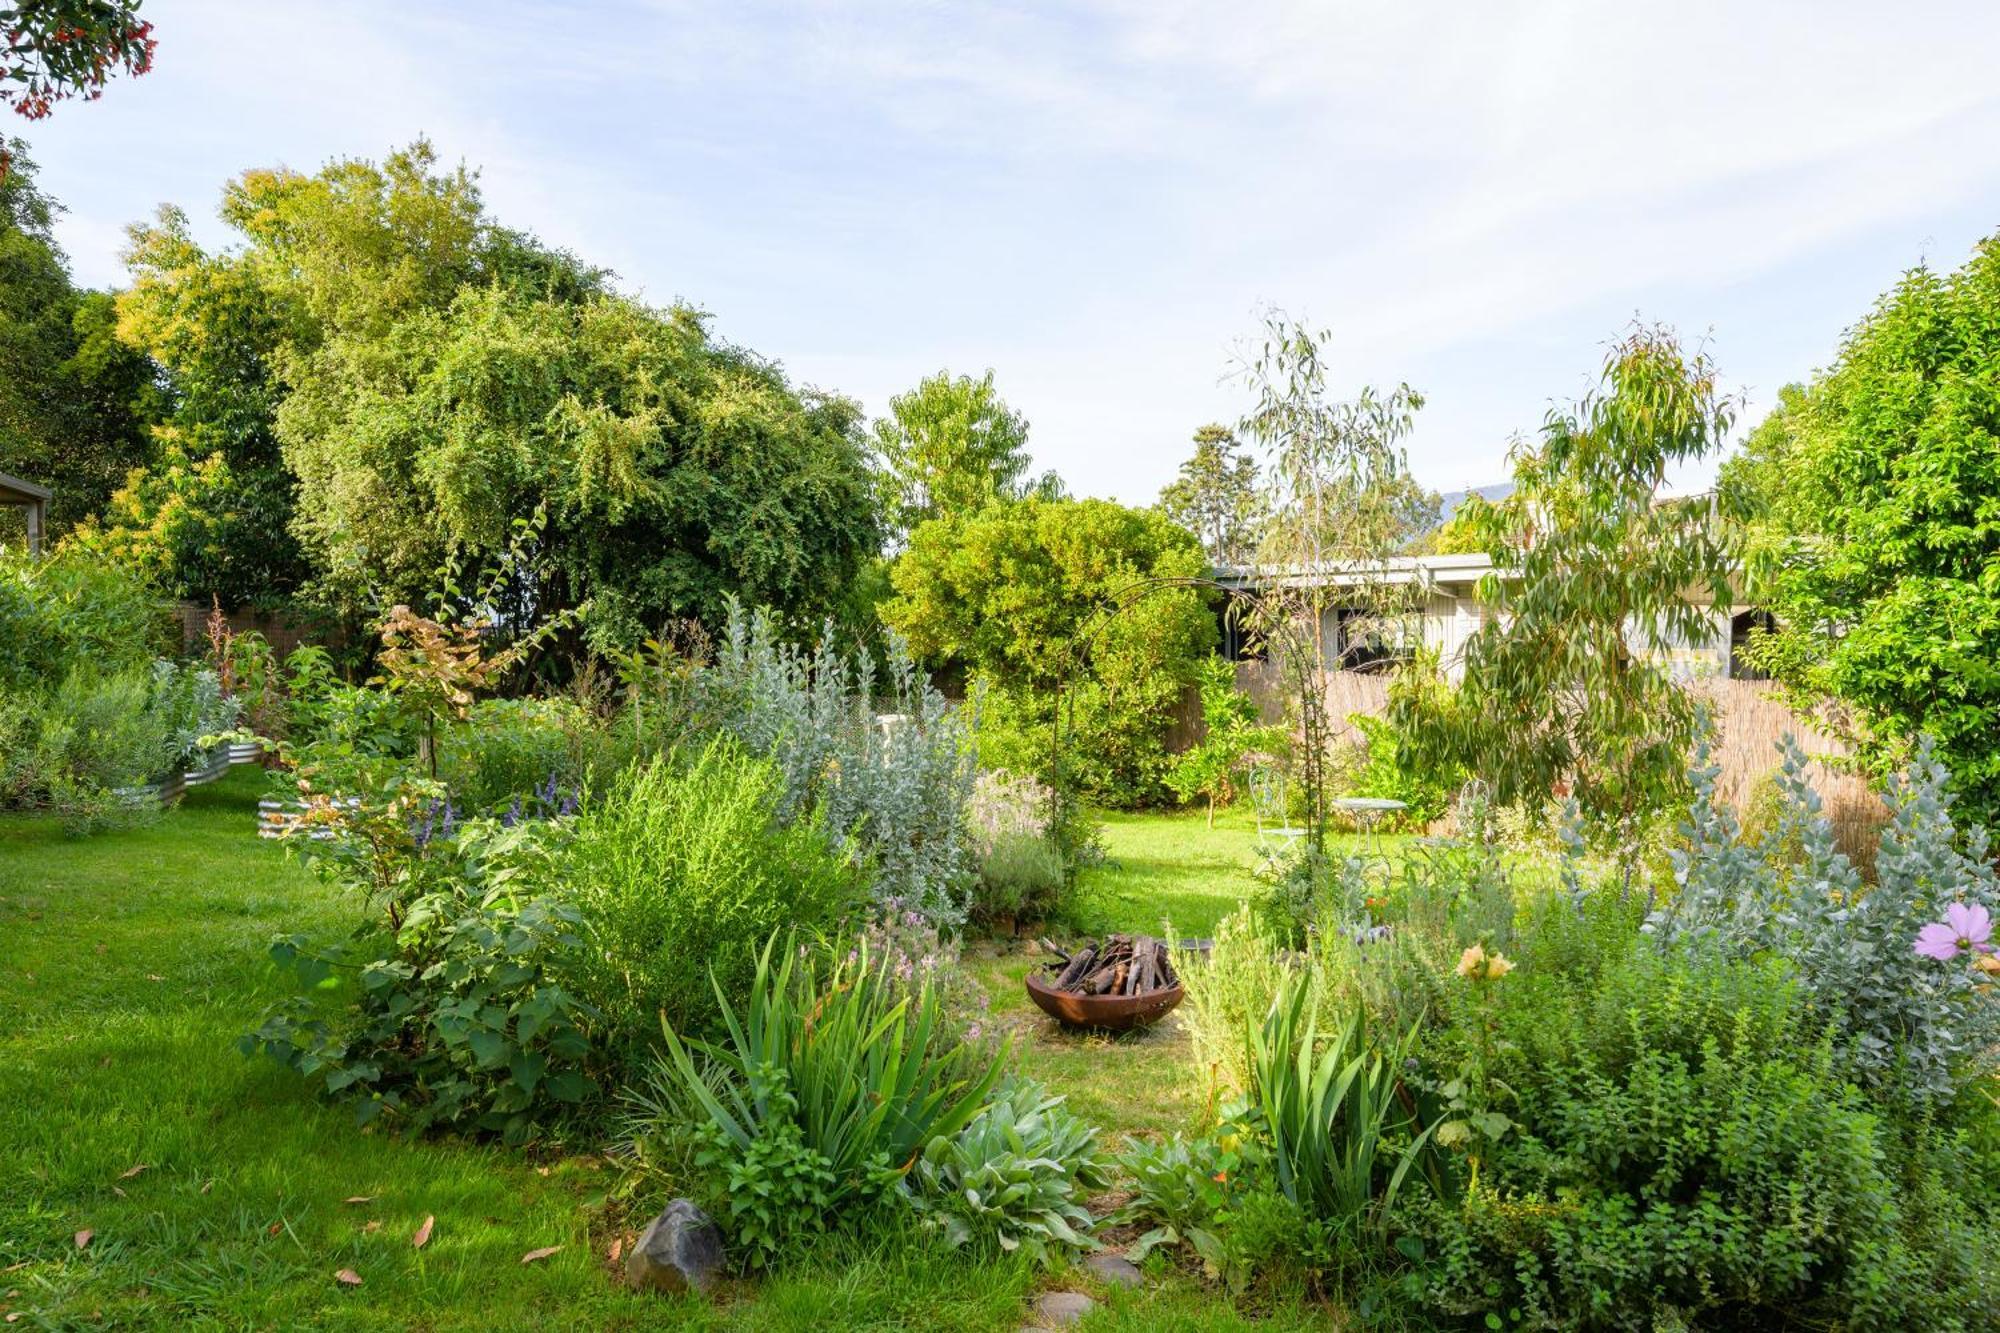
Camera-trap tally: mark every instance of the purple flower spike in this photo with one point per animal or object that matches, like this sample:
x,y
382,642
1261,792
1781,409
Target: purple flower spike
x,y
1966,927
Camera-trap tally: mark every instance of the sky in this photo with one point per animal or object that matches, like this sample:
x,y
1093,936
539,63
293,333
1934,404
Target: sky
x,y
1098,200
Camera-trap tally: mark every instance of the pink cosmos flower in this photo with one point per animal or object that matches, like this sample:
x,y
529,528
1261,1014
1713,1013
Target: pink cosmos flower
x,y
1966,927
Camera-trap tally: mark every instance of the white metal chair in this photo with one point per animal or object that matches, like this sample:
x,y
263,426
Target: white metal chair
x,y
1268,801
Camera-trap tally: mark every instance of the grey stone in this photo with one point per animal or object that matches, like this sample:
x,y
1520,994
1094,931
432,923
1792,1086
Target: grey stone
x,y
1060,1309
1115,1269
680,1250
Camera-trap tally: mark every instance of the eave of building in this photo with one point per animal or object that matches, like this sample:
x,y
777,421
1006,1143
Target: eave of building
x,y
26,490
1426,570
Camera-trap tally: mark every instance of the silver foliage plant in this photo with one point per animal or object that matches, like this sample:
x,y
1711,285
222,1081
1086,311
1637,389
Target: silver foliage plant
x,y
890,757
1909,1021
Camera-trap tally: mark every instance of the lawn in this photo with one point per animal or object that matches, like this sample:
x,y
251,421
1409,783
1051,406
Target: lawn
x,y
217,1192
1162,874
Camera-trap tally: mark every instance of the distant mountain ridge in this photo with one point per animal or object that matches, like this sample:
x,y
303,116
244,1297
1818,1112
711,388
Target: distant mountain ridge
x,y
1451,500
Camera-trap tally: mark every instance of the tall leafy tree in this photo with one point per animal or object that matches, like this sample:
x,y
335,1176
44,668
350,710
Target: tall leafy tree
x,y
1877,536
74,402
947,447
1022,600
1600,581
210,516
415,379
1216,497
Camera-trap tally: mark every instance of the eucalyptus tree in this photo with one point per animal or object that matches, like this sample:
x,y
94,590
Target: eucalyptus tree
x,y
1598,581
1335,513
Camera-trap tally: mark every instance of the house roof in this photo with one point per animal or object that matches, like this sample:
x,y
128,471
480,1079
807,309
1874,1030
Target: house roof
x,y
14,489
1424,569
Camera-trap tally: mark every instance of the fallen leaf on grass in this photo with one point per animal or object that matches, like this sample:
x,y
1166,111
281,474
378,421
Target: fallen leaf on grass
x,y
533,1255
130,1172
115,1190
617,1247
347,1277
83,1237
371,1228
154,976
274,1228
423,1236
359,1198
209,1186
541,1171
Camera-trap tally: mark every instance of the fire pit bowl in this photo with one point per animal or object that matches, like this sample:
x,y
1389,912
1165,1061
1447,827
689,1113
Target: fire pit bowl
x,y
1107,1013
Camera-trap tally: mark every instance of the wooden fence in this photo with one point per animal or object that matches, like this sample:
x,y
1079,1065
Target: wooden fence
x,y
1749,722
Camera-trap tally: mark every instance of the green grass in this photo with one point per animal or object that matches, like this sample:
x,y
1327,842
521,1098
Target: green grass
x,y
1158,869
131,962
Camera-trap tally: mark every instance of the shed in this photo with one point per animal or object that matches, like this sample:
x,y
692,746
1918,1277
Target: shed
x,y
19,494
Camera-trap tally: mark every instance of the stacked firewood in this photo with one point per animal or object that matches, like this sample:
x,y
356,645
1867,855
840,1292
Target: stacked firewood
x,y
1120,965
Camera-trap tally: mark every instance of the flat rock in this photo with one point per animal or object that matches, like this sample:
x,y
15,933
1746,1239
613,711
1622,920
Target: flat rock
x,y
1060,1309
680,1250
1115,1269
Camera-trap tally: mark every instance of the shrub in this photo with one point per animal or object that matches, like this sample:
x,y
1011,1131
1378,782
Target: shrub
x,y
70,610
1230,731
455,1014
682,868
1019,598
1909,1025
1015,1176
825,1092
1683,1145
512,750
1390,773
1004,805
193,708
334,730
1231,993
1021,878
893,788
70,748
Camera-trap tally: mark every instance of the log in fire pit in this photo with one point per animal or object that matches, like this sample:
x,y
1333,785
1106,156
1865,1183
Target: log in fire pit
x,y
1123,982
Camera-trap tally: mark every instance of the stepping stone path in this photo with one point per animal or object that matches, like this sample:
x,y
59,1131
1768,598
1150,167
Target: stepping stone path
x,y
1115,1269
1059,1309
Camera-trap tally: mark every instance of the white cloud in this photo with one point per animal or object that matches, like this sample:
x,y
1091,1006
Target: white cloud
x,y
1092,198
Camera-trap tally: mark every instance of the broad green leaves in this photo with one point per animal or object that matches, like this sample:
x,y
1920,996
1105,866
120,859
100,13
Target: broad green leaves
x,y
1877,536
